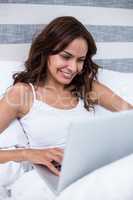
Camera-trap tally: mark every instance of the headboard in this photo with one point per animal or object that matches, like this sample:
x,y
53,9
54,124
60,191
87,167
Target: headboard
x,y
110,22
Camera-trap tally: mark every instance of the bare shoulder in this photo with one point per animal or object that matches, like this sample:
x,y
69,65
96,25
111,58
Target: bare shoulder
x,y
97,90
97,85
12,104
18,96
100,89
17,91
18,86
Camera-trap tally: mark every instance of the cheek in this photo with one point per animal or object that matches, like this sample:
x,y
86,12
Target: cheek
x,y
56,63
53,65
80,67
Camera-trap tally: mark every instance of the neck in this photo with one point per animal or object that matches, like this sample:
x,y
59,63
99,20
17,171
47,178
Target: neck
x,y
50,84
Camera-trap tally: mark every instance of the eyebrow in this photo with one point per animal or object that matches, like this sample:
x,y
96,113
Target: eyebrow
x,y
72,55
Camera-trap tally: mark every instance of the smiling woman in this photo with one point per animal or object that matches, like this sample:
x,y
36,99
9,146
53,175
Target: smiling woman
x,y
58,85
59,79
65,61
51,109
69,62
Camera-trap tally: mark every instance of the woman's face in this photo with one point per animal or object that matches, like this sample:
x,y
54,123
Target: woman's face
x,y
64,66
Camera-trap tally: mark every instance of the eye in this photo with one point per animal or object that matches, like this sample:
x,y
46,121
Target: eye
x,y
82,60
66,57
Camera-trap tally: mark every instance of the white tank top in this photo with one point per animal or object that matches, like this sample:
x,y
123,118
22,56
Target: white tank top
x,y
47,126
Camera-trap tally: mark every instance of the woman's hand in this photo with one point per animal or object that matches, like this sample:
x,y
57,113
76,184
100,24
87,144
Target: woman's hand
x,y
45,157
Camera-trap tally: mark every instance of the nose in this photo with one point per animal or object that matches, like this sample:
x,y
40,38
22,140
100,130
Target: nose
x,y
73,66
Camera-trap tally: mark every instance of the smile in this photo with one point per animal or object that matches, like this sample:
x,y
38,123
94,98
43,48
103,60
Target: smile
x,y
65,74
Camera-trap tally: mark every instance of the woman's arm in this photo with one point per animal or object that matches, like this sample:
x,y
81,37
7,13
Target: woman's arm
x,y
108,99
36,156
12,105
12,155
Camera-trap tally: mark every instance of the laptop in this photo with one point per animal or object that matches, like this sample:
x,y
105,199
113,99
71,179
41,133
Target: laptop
x,y
90,145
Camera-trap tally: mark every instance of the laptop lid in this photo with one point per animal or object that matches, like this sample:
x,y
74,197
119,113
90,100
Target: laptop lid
x,y
96,143
92,144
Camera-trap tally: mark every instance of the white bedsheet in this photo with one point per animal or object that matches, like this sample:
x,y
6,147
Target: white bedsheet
x,y
112,182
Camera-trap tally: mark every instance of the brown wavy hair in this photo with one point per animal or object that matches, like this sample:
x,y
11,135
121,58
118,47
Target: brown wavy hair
x,y
54,38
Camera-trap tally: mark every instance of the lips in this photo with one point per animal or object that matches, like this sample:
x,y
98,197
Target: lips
x,y
66,74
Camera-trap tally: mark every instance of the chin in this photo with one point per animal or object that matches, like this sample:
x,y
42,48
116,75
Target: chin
x,y
65,82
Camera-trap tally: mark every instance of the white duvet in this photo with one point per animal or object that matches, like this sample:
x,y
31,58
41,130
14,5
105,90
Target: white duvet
x,y
112,182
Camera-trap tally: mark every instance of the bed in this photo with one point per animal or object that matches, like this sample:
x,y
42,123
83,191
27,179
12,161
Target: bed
x,y
20,20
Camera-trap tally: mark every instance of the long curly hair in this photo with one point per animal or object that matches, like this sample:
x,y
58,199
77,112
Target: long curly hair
x,y
54,38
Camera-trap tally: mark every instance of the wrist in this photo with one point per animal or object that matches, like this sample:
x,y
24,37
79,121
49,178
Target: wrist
x,y
25,154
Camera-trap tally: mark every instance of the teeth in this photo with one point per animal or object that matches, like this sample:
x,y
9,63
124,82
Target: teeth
x,y
67,74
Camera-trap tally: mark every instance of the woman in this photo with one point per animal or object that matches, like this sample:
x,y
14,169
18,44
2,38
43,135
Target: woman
x,y
58,84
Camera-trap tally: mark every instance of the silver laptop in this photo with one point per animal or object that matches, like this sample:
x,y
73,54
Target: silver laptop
x,y
92,144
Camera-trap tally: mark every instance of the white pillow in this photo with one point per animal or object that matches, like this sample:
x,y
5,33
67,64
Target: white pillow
x,y
14,134
8,68
121,83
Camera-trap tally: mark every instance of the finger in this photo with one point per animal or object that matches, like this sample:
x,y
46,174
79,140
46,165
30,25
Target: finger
x,y
52,156
56,165
53,169
59,149
58,155
59,152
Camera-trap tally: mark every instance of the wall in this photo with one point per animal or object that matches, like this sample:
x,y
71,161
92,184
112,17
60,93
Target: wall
x,y
109,21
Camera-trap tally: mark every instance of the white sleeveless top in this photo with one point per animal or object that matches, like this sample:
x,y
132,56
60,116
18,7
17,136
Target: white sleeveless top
x,y
47,126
